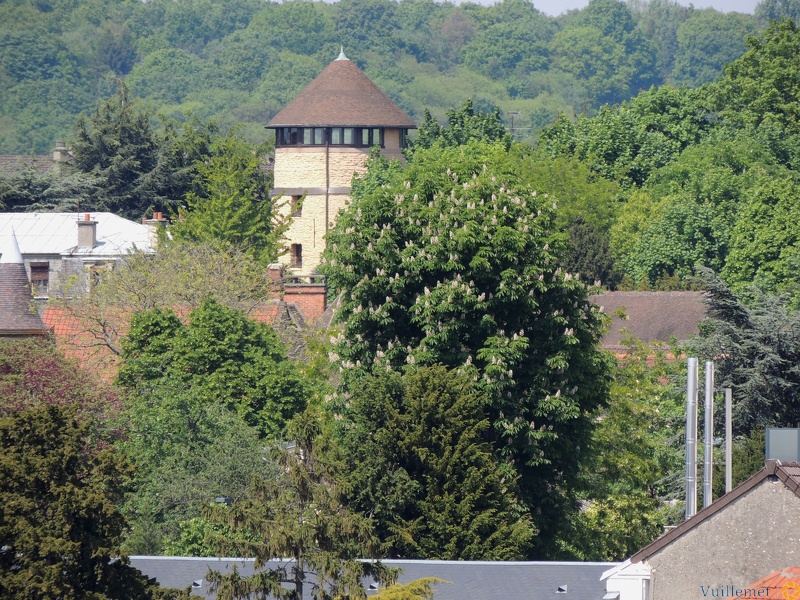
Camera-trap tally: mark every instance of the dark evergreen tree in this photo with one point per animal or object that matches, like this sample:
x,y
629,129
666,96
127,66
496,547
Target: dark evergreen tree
x,y
756,349
59,523
418,463
590,256
117,145
297,513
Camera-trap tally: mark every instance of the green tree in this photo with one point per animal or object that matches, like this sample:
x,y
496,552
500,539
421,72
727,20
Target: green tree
x,y
188,451
417,462
636,460
603,47
626,144
232,204
298,514
59,521
118,146
755,350
659,21
463,125
706,42
778,10
761,85
453,260
226,359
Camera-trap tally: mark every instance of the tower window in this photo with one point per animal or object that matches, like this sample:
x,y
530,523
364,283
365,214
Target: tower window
x,y
288,136
297,206
371,137
296,256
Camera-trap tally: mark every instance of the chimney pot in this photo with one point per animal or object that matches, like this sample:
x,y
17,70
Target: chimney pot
x,y
86,217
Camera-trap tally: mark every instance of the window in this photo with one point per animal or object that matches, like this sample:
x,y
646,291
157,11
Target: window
x,y
336,136
319,136
349,134
97,270
288,136
297,206
371,137
296,256
40,278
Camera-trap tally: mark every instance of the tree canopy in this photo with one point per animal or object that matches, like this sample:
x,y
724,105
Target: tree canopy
x,y
416,461
59,518
226,359
462,268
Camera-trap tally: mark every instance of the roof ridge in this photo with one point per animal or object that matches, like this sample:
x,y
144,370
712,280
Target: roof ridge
x,y
771,468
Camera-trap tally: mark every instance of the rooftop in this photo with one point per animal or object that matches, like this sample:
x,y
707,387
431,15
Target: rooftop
x,y
787,472
17,314
651,316
57,234
476,580
342,95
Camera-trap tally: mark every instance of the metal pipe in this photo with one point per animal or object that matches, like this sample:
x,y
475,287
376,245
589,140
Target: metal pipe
x,y
728,440
708,432
691,437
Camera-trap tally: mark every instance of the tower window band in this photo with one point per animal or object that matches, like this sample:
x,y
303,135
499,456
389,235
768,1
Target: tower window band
x,y
356,137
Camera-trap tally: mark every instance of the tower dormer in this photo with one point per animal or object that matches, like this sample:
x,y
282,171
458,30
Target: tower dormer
x,y
322,138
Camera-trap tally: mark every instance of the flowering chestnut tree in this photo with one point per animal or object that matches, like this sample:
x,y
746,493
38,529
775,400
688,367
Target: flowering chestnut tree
x,y
452,260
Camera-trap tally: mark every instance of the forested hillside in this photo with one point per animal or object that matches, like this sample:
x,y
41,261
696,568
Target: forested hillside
x,y
240,61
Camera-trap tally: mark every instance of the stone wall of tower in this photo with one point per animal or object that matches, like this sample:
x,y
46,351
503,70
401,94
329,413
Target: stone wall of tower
x,y
302,170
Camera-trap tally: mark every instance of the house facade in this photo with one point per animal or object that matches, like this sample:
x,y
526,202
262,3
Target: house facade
x,y
59,248
748,534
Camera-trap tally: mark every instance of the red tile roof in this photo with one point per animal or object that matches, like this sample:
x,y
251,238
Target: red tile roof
x,y
785,582
342,95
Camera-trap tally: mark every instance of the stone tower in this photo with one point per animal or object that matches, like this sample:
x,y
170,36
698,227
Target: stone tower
x,y
322,137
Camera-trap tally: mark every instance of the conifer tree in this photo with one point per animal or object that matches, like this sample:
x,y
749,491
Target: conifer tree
x,y
59,523
417,461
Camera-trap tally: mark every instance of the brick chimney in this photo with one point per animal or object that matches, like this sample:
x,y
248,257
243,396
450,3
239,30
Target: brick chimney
x,y
275,271
87,232
154,225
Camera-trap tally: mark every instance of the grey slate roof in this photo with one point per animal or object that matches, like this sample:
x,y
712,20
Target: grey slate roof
x,y
470,580
17,317
14,163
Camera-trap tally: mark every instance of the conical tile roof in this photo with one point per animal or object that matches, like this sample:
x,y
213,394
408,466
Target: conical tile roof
x,y
17,316
342,95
